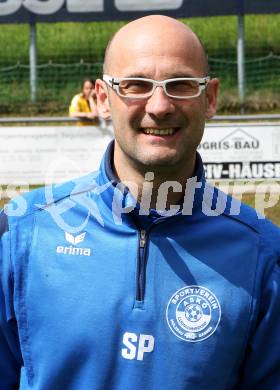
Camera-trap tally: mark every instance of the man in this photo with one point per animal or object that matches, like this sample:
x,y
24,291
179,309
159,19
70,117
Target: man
x,y
136,276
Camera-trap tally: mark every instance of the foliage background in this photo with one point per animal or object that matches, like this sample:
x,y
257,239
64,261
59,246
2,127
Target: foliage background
x,y
69,52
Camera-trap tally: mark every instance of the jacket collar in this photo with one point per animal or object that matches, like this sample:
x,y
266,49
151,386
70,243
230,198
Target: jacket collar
x,y
121,195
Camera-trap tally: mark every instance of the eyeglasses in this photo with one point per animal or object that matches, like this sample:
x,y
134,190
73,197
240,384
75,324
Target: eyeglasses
x,y
141,88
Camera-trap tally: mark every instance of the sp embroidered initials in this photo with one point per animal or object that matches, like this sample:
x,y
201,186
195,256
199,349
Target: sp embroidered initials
x,y
137,346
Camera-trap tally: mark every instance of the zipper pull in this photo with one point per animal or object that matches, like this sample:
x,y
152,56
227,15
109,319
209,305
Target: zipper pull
x,y
142,238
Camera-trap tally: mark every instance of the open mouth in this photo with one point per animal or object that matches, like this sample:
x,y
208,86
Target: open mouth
x,y
159,132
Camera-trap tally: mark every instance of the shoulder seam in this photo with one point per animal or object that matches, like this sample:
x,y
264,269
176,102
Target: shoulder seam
x,y
38,207
226,213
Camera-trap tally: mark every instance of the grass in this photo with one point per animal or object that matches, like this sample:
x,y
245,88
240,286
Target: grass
x,y
272,213
69,43
260,31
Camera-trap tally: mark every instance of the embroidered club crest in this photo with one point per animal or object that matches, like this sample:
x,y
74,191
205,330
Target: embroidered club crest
x,y
193,313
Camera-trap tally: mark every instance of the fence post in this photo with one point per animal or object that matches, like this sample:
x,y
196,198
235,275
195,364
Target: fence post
x,y
241,61
33,61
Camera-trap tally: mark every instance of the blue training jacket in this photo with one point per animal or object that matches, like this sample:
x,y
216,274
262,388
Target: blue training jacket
x,y
96,296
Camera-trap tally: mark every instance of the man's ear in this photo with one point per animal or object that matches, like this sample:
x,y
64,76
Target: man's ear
x,y
211,98
103,106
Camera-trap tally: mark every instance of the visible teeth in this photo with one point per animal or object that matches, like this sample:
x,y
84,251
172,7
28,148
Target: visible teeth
x,y
159,131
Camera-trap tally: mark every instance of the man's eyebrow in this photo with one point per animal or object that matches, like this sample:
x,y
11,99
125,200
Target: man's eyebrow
x,y
181,75
169,76
136,75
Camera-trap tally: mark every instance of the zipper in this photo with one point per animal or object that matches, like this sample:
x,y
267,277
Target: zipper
x,y
141,266
142,261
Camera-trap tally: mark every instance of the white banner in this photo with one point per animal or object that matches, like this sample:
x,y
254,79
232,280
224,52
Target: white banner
x,y
241,151
39,155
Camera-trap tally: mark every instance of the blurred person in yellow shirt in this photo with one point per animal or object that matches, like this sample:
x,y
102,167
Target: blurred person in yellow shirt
x,y
83,105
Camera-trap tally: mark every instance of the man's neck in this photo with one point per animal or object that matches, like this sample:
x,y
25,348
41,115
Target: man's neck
x,y
155,187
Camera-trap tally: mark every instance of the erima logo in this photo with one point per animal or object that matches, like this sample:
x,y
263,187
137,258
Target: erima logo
x,y
72,249
75,240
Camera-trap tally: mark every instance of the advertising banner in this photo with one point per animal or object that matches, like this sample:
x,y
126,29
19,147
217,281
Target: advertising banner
x,y
26,11
43,155
241,151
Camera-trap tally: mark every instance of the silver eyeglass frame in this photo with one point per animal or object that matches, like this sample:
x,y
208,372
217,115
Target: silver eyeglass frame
x,y
114,83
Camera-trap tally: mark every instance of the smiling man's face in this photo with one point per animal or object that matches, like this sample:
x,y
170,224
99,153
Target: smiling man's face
x,y
158,132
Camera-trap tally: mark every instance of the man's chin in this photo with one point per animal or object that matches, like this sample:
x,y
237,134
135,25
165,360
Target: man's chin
x,y
162,163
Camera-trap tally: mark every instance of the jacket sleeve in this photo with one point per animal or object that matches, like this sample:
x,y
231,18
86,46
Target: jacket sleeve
x,y
261,368
10,355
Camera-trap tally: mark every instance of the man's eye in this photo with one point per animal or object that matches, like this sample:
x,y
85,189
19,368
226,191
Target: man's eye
x,y
182,87
135,85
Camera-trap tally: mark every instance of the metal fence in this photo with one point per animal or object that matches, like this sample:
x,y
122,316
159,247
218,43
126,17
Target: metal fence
x,y
64,56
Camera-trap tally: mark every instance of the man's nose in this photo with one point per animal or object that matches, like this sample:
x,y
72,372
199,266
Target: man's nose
x,y
159,104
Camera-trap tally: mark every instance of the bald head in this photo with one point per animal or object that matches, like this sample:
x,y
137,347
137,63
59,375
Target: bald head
x,y
155,32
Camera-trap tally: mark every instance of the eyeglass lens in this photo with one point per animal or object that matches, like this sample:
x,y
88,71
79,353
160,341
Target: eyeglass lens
x,y
135,87
173,88
182,87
